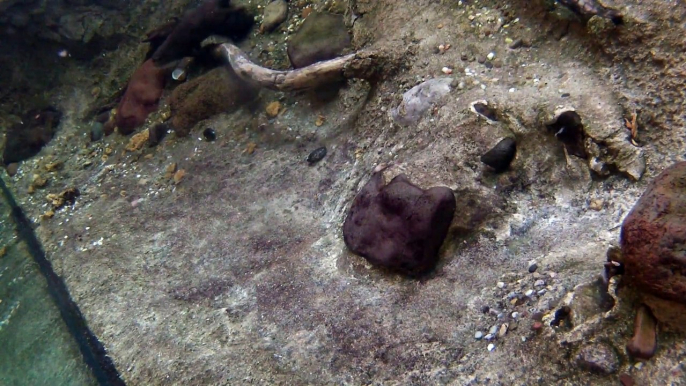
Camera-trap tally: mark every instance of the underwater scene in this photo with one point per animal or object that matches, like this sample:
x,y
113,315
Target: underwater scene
x,y
342,192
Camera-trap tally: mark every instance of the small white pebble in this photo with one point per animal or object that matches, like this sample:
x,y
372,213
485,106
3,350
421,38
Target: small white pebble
x,y
529,292
539,283
501,285
478,335
515,315
491,347
512,89
447,70
490,56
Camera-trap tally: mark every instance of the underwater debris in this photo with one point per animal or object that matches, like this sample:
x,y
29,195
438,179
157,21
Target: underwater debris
x,y
212,17
501,155
399,226
157,133
589,8
418,99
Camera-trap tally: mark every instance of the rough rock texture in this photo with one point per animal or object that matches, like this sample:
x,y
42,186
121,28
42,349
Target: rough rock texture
x,y
399,226
322,36
598,357
653,237
217,91
141,97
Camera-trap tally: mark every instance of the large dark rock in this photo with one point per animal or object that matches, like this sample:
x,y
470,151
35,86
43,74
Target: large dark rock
x,y
217,91
323,36
399,226
173,41
141,97
26,139
653,237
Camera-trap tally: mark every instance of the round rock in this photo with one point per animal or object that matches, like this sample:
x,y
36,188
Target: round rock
x,y
653,234
599,358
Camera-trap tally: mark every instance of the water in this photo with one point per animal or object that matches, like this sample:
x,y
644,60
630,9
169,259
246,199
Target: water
x,y
36,347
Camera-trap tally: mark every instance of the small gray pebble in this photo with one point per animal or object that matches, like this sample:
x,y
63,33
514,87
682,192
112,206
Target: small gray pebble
x,y
529,292
539,283
541,292
489,336
478,335
97,131
493,330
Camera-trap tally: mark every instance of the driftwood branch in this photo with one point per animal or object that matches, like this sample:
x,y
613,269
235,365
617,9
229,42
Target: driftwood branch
x,y
362,65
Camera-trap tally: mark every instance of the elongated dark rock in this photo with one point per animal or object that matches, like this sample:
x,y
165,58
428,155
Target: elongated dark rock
x,y
502,154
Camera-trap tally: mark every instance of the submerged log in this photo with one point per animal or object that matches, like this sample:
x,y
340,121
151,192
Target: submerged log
x,y
361,65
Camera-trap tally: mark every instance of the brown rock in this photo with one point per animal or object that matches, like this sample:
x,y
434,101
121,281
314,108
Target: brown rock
x,y
321,37
12,169
273,109
217,91
141,97
644,342
653,237
399,226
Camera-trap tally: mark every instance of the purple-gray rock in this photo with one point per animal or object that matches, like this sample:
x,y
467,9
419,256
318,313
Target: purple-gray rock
x,y
399,226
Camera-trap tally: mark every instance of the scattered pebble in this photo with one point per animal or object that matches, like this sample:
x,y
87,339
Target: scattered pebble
x,y
501,285
529,292
515,315
490,56
491,347
317,155
447,70
533,267
539,283
493,330
209,134
596,204
503,330
478,335
273,109
97,131
178,176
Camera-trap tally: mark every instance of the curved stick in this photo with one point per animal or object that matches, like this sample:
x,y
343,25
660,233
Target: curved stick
x,y
357,65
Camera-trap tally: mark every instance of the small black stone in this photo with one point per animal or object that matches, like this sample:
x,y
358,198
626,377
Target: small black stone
x,y
317,155
565,95
500,157
533,267
209,134
157,133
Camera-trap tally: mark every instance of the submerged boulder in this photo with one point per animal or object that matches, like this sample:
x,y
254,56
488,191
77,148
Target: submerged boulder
x,y
323,36
653,237
399,226
217,91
